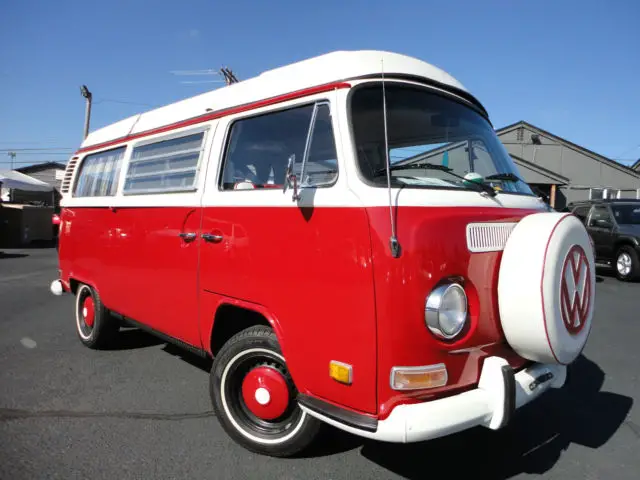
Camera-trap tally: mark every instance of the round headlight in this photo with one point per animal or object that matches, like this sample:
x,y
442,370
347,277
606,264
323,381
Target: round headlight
x,y
445,311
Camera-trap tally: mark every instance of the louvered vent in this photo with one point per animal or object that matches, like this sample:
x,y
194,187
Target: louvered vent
x,y
488,237
68,175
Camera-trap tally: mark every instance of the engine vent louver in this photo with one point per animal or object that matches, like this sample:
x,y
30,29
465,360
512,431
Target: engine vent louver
x,y
65,186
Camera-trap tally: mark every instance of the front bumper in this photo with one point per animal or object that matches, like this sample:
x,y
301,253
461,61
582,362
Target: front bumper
x,y
500,392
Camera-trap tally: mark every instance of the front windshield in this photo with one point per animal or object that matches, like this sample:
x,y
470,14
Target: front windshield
x,y
427,127
628,214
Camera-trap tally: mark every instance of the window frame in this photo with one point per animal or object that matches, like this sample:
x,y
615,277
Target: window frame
x,y
116,181
173,135
445,93
593,211
281,108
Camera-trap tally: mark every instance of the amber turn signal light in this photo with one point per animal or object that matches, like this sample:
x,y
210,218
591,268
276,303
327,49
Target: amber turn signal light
x,y
341,372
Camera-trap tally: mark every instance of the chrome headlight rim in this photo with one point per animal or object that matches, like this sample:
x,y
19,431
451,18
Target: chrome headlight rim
x,y
432,307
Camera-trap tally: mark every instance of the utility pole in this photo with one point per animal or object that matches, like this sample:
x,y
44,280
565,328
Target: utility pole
x,y
13,156
87,116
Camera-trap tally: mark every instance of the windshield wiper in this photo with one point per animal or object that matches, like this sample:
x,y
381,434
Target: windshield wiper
x,y
481,187
504,176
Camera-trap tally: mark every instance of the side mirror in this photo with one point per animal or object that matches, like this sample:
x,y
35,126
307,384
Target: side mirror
x,y
290,179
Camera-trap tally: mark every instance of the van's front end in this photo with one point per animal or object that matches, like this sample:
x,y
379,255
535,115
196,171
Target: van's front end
x,y
483,296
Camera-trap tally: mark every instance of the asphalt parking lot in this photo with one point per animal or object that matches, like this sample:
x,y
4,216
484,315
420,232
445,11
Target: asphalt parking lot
x,y
143,411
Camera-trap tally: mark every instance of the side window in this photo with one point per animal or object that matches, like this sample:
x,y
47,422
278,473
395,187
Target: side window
x,y
99,173
259,149
165,166
599,214
581,213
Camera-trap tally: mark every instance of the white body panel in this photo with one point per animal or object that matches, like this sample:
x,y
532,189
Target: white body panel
x,y
324,69
483,406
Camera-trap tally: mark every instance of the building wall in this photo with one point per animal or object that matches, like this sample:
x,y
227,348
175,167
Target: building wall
x,y
584,171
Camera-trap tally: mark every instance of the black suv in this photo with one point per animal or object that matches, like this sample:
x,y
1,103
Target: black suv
x,y
614,227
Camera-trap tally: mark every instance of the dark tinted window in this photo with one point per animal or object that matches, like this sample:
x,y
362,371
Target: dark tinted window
x,y
259,148
627,214
599,213
581,213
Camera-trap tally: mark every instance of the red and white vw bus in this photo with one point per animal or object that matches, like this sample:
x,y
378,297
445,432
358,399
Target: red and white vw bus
x,y
348,240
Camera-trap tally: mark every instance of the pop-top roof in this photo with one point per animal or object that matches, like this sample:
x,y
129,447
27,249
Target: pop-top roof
x,y
325,69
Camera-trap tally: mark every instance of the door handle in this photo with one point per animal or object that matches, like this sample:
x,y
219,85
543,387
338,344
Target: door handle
x,y
211,237
187,236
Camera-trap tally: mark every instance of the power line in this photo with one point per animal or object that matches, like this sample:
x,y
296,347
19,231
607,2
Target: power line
x,y
126,102
66,149
618,157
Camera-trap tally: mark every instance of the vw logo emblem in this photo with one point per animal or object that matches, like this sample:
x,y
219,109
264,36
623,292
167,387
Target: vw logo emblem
x,y
575,290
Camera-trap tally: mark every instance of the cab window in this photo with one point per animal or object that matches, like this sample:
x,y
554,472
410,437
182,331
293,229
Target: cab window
x,y
259,148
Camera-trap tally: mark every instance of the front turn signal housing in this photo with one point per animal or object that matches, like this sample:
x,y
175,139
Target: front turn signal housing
x,y
414,378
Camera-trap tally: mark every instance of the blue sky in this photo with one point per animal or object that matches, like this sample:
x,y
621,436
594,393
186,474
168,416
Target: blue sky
x,y
569,67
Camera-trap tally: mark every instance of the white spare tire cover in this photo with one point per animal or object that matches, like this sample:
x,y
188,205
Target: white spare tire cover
x,y
546,288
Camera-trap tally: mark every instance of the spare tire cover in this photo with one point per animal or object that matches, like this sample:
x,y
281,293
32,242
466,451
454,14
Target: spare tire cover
x,y
546,288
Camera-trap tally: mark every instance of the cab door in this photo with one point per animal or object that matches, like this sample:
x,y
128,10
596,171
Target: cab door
x,y
300,253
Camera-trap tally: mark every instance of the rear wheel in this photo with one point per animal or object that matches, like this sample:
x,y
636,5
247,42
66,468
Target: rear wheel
x,y
95,326
254,396
627,264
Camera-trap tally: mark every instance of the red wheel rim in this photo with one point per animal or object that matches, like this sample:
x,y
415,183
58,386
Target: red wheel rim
x,y
265,392
88,311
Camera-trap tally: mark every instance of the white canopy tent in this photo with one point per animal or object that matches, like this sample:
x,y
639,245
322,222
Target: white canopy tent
x,y
20,181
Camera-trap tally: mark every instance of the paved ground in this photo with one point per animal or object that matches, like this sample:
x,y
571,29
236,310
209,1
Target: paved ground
x,y
144,412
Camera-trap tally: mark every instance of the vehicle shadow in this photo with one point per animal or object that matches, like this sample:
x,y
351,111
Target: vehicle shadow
x,y
535,440
134,338
192,359
13,255
609,272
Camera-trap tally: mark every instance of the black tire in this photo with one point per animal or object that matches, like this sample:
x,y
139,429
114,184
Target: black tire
x,y
285,436
627,255
102,331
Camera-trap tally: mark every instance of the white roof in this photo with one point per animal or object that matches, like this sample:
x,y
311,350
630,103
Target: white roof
x,y
20,181
324,69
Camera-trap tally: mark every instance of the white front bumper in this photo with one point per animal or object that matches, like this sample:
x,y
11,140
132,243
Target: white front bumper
x,y
499,393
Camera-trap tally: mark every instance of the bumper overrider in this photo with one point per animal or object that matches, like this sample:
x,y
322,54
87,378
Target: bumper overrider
x,y
499,393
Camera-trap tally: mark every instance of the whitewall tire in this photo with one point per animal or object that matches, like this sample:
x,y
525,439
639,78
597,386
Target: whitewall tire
x,y
95,327
254,396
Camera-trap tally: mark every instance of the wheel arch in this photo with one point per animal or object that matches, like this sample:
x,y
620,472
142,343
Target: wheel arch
x,y
231,317
625,241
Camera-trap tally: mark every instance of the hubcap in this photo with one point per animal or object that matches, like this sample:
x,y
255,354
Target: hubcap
x,y
258,395
88,311
265,392
624,264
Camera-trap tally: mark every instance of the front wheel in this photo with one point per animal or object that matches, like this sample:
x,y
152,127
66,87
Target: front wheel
x,y
254,396
627,264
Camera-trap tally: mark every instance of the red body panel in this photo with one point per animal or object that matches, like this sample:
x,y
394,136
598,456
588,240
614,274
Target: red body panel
x,y
323,277
433,246
140,266
311,270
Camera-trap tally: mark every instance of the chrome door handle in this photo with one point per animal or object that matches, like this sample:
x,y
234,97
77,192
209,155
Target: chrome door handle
x,y
187,236
210,237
